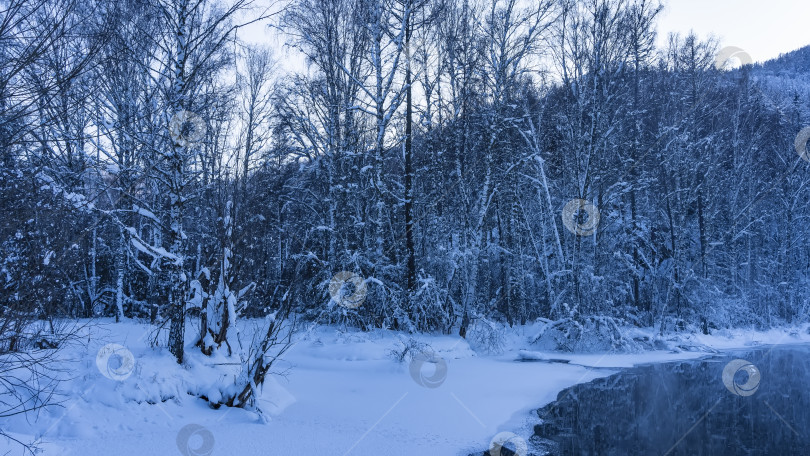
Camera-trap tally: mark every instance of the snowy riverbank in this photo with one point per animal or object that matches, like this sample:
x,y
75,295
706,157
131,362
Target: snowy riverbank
x,y
343,394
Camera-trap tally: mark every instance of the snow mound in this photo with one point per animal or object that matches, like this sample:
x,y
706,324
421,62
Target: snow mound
x,y
586,335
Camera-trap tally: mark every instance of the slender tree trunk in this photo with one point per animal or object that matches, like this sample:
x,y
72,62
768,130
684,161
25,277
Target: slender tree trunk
x,y
409,222
176,178
672,237
120,266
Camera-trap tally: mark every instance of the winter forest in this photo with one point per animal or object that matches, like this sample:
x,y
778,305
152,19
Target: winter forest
x,y
466,170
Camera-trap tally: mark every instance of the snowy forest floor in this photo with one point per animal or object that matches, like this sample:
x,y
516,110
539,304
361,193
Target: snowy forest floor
x,y
342,393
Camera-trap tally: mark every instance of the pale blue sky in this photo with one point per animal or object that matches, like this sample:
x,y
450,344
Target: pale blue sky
x,y
763,28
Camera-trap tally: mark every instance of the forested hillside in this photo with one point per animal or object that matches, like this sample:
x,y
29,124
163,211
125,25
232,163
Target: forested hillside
x,y
437,163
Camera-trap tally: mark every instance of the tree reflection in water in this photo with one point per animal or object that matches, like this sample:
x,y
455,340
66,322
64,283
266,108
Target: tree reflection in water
x,y
684,409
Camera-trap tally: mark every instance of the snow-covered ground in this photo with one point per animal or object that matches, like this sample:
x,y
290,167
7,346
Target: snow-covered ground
x,y
343,394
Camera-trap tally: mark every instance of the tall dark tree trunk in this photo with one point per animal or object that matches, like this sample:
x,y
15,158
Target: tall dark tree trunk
x,y
409,222
176,179
674,250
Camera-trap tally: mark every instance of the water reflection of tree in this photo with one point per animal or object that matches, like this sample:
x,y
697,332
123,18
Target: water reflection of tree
x,y
684,409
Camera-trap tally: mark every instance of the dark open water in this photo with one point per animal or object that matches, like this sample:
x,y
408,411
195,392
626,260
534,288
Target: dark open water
x,y
685,409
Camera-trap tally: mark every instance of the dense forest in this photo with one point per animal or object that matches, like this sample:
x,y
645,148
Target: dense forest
x,y
432,165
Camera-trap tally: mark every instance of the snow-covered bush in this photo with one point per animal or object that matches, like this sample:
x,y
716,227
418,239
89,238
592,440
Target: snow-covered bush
x,y
30,368
427,308
585,334
486,336
408,347
269,344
